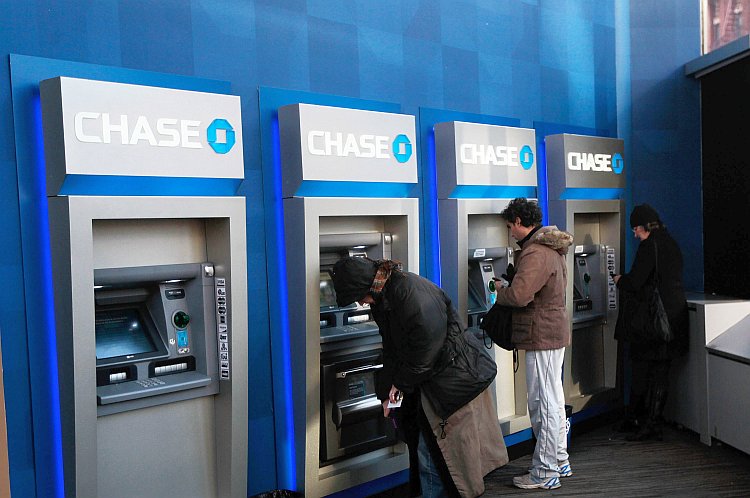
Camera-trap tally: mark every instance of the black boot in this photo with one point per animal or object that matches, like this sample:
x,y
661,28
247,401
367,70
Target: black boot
x,y
652,429
634,412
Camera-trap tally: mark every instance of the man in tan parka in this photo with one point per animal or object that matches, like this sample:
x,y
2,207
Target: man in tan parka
x,y
540,326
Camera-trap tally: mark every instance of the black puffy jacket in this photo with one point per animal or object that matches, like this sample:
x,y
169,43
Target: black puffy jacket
x,y
425,346
661,245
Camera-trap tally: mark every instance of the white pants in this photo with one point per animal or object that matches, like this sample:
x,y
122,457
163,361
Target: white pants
x,y
547,410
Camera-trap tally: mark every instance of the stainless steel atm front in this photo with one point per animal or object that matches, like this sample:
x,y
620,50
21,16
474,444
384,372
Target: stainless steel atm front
x,y
351,358
330,211
150,294
586,183
156,333
481,168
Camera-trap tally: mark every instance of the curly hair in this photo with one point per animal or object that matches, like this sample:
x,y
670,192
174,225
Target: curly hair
x,y
528,211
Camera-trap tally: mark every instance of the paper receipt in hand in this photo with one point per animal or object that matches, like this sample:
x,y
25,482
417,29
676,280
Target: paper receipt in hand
x,y
399,397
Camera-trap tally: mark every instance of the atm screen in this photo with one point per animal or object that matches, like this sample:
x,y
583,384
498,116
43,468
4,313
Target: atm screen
x,y
476,298
122,332
327,294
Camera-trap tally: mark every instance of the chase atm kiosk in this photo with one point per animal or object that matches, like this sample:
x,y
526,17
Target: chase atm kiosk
x,y
336,165
150,291
586,182
480,168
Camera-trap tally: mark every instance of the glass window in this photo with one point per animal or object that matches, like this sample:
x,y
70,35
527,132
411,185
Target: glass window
x,y
723,22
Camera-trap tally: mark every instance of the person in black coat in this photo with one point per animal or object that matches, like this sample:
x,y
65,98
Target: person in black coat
x,y
658,256
447,416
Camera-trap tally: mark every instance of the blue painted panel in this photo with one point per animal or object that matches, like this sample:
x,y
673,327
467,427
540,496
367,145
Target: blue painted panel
x,y
333,50
459,24
461,79
146,185
492,192
156,41
282,34
423,82
381,56
314,188
385,15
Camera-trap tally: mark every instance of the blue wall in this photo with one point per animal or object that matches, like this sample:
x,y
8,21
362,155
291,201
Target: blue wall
x,y
665,139
547,61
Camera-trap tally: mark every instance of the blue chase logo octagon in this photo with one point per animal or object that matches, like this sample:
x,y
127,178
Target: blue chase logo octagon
x,y
220,147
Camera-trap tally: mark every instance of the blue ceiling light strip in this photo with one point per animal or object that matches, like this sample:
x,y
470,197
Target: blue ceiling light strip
x,y
148,186
593,194
492,192
319,188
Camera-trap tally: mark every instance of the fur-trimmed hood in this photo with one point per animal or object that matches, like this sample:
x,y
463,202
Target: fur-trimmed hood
x,y
552,237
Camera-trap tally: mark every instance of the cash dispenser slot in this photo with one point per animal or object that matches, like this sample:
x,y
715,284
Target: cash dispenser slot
x,y
155,332
352,419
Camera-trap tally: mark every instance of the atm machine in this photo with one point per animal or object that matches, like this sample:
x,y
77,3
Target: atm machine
x,y
586,182
150,291
480,168
329,156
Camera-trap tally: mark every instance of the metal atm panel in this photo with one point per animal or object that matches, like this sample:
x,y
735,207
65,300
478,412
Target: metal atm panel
x,y
484,265
155,331
352,421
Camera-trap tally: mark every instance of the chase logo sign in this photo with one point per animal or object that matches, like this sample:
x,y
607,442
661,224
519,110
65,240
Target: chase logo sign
x,y
323,143
497,155
479,154
101,128
326,143
219,126
119,129
585,161
402,148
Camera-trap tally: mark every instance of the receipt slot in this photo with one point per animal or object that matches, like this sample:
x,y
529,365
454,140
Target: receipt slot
x,y
480,169
150,298
586,182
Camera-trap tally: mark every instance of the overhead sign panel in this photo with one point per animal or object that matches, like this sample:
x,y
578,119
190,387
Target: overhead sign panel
x,y
334,144
473,154
584,162
115,129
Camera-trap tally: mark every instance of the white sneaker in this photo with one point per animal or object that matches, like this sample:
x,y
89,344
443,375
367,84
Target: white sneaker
x,y
565,469
527,481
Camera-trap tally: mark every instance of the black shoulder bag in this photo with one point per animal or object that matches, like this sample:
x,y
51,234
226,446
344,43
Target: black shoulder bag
x,y
654,325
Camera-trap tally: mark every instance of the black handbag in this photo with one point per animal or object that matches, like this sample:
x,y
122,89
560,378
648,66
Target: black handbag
x,y
497,324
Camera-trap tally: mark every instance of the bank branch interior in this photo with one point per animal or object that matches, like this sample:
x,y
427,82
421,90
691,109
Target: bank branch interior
x,y
179,179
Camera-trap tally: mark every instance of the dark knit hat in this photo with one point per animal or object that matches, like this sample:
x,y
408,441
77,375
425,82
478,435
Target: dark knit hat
x,y
352,279
642,215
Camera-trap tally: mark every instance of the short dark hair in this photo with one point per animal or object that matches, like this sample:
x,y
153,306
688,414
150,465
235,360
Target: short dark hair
x,y
528,211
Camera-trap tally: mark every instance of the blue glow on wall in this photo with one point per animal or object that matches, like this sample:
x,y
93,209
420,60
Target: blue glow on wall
x,y
316,188
285,441
52,432
592,194
492,192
